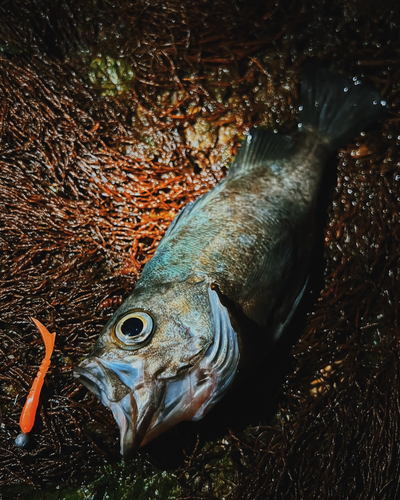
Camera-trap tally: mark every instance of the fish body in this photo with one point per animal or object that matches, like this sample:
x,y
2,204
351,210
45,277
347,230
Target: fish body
x,y
229,272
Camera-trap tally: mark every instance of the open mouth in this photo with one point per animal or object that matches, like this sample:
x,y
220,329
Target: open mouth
x,y
141,414
130,408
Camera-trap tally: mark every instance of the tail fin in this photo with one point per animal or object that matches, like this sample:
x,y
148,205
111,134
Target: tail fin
x,y
336,105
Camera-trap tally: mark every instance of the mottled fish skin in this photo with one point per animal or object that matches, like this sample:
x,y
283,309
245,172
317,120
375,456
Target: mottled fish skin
x,y
251,235
232,267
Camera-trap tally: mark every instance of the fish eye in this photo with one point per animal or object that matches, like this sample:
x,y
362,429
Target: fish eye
x,y
134,328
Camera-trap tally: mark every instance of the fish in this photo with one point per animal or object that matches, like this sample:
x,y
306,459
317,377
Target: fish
x,y
228,274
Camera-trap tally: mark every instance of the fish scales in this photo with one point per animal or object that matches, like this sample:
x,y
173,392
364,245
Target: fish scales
x,y
233,263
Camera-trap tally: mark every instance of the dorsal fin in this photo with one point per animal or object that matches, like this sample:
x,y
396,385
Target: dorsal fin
x,y
260,148
181,216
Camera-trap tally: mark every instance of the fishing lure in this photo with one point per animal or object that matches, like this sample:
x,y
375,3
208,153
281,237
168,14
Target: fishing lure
x,y
29,411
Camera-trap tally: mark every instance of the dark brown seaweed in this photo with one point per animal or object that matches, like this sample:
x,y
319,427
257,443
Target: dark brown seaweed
x,y
93,168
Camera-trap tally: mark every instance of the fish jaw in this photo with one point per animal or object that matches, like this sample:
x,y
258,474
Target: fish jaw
x,y
142,413
120,387
133,415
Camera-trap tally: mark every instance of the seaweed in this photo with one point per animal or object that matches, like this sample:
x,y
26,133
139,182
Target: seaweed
x,y
112,117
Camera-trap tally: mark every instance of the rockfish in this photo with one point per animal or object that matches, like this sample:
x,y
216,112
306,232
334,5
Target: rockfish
x,y
229,272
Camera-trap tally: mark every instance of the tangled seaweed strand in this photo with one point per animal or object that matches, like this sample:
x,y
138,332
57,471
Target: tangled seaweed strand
x,y
113,117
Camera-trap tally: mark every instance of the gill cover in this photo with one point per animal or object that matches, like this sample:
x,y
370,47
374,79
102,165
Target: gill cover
x,y
194,394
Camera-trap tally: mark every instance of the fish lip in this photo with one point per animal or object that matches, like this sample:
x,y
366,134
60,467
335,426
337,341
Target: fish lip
x,y
109,378
85,377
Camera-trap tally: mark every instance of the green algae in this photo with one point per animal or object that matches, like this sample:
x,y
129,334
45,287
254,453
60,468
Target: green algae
x,y
122,481
109,75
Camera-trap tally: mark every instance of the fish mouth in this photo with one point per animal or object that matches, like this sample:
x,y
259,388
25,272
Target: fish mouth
x,y
142,414
131,407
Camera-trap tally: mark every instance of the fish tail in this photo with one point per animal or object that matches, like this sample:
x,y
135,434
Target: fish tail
x,y
336,105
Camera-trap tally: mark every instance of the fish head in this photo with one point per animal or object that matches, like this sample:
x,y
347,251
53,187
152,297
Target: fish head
x,y
164,357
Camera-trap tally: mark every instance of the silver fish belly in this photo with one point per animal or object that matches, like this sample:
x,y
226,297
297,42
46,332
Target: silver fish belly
x,y
233,264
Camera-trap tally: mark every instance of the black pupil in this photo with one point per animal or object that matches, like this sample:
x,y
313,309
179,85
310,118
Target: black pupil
x,y
132,327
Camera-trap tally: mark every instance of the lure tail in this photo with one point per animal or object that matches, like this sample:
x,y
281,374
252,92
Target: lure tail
x,y
336,105
48,338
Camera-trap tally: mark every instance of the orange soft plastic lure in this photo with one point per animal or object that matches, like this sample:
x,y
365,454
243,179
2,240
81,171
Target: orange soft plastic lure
x,y
29,412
